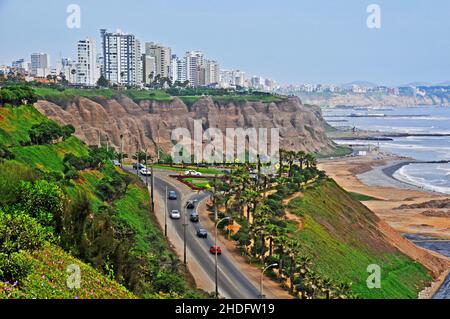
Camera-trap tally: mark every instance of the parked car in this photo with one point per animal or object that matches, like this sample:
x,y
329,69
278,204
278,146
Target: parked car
x,y
116,162
202,233
192,173
215,250
175,214
172,195
145,172
138,166
194,217
190,204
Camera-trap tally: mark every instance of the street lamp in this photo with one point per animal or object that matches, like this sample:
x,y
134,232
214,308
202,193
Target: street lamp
x,y
165,215
261,296
215,255
184,234
146,175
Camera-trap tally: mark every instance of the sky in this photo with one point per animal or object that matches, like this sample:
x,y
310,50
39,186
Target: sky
x,y
290,41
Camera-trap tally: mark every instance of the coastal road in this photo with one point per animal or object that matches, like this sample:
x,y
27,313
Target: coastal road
x,y
232,281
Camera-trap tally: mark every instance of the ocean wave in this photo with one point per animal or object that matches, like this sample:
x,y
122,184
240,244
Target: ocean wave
x,y
409,175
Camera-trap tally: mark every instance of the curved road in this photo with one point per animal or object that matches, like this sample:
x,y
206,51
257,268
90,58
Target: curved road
x,y
232,282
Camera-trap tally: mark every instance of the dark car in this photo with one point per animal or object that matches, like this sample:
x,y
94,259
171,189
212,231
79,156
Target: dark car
x,y
190,204
202,233
172,195
194,217
138,166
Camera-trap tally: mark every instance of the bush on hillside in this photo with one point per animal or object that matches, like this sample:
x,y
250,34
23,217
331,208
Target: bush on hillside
x,y
42,200
19,231
17,95
47,133
5,153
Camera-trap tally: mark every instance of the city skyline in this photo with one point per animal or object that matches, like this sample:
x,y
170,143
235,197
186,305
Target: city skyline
x,y
321,44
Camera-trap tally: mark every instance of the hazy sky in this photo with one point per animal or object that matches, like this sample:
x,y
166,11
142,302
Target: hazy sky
x,y
291,41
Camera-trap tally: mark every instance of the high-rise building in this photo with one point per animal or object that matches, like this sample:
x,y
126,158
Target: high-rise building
x,y
121,58
162,55
69,69
212,72
20,66
148,68
87,69
194,62
40,64
257,82
232,78
178,69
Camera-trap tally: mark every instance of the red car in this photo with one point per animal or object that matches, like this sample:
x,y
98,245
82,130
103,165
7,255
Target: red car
x,y
215,250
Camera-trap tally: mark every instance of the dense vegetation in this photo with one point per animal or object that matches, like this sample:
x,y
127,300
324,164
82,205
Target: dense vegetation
x,y
321,237
64,203
60,93
17,95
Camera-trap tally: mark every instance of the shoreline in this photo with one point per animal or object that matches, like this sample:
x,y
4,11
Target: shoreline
x,y
375,176
372,175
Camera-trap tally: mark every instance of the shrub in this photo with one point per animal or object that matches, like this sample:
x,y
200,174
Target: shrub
x,y
46,133
17,94
14,267
19,231
42,200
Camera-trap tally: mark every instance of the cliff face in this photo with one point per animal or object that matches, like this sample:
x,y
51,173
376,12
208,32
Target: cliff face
x,y
361,100
151,122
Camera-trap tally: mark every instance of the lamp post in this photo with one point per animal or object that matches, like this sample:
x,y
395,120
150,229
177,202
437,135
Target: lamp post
x,y
165,216
215,255
261,296
146,175
184,235
152,190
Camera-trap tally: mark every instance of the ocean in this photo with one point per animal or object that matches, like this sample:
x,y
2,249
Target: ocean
x,y
411,120
431,176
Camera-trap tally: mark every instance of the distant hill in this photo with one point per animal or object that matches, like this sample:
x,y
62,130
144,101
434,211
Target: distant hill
x,y
417,83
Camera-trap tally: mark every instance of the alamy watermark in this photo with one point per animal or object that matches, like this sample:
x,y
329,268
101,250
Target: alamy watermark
x,y
237,145
374,279
73,20
374,19
73,276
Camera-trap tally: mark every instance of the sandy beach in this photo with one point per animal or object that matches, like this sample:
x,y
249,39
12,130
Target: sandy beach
x,y
372,176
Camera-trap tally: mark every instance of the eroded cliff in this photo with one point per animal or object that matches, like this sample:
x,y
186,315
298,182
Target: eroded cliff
x,y
149,122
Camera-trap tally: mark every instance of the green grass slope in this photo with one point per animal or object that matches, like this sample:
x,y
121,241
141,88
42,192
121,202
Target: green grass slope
x,y
48,279
341,236
130,210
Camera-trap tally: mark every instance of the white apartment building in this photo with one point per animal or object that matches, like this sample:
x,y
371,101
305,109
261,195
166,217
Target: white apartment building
x,y
88,71
40,64
178,69
69,69
212,72
162,55
231,78
121,58
194,65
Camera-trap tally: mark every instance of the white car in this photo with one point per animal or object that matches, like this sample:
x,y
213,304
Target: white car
x,y
192,173
145,172
175,214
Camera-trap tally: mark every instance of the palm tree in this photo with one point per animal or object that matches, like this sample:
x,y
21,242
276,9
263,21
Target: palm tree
x,y
139,156
292,251
290,159
301,158
273,231
310,160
